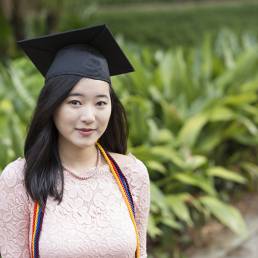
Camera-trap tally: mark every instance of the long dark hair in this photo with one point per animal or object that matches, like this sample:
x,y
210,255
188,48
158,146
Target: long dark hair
x,y
43,167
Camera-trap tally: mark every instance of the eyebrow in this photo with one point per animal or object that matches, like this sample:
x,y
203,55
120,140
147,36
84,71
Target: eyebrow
x,y
82,95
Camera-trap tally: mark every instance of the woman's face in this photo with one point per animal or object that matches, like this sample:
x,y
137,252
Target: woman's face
x,y
88,106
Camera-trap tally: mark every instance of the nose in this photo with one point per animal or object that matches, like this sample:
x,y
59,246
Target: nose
x,y
87,115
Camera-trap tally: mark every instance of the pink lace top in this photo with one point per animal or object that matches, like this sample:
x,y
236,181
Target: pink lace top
x,y
92,221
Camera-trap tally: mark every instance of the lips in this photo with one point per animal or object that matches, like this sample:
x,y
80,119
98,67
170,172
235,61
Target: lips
x,y
86,132
86,129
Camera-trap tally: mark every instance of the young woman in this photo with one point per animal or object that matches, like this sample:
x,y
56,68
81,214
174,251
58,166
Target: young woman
x,y
76,193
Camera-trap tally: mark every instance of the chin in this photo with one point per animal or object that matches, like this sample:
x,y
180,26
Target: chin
x,y
84,143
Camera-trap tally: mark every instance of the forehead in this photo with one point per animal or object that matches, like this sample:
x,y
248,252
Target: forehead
x,y
90,87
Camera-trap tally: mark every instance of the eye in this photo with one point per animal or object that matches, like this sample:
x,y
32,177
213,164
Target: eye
x,y
103,102
74,102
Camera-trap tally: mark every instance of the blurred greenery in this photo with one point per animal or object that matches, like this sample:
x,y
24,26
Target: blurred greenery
x,y
193,117
171,25
156,24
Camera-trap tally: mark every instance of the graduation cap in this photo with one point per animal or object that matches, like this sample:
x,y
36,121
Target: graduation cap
x,y
87,52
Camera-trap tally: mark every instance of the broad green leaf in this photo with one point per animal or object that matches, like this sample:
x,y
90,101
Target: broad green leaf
x,y
194,162
226,174
241,99
196,180
189,133
159,199
220,113
19,87
226,214
168,154
171,222
251,84
252,128
143,152
166,71
156,166
180,209
210,140
243,68
165,136
159,136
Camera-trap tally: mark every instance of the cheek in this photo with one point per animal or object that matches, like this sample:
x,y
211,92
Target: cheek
x,y
105,116
62,118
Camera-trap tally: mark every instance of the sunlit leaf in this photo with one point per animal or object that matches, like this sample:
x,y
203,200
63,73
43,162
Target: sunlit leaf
x,y
226,214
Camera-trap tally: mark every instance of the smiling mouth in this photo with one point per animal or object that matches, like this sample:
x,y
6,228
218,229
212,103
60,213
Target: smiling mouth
x,y
86,133
86,130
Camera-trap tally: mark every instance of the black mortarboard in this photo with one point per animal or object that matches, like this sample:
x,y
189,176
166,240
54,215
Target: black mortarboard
x,y
88,52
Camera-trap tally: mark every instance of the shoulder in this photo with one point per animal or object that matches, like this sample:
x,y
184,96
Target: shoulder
x,y
12,174
131,164
14,200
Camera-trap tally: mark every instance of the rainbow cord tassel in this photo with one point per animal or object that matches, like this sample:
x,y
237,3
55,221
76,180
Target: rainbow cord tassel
x,y
36,228
124,188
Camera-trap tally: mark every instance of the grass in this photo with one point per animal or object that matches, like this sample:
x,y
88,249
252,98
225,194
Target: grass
x,y
168,25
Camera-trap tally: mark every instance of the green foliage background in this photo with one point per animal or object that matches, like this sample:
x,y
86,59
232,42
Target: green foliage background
x,y
169,26
193,117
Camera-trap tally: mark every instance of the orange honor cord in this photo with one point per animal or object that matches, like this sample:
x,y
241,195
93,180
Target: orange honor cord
x,y
114,172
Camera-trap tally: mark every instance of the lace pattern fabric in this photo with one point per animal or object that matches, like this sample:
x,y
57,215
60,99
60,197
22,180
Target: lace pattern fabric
x,y
91,221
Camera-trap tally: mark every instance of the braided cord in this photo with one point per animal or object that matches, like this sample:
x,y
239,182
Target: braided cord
x,y
114,172
125,183
36,229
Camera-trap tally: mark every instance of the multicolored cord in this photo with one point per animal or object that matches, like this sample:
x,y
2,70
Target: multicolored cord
x,y
124,188
36,228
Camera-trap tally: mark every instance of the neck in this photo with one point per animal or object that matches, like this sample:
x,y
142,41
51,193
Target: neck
x,y
77,158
